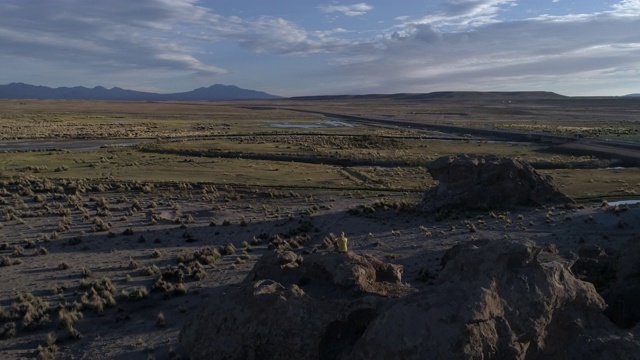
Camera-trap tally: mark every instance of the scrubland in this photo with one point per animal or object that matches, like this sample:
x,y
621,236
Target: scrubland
x,y
118,219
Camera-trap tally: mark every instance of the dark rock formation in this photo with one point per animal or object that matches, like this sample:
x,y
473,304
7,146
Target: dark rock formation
x,y
495,301
291,307
617,279
595,266
623,293
331,274
488,182
492,300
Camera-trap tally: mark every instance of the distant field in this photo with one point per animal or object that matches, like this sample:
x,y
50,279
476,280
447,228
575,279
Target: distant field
x,y
267,144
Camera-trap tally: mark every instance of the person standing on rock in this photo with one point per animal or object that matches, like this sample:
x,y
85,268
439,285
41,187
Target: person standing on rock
x,y
342,243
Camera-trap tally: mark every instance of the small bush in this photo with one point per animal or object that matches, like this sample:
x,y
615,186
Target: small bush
x,y
34,310
160,320
8,330
150,270
134,265
6,261
50,350
180,289
229,249
67,320
139,293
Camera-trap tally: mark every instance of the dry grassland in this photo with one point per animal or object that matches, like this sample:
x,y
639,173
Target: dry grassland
x,y
106,249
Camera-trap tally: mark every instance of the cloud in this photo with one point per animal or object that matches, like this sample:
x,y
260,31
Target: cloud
x,y
464,13
347,10
117,34
545,52
627,8
464,44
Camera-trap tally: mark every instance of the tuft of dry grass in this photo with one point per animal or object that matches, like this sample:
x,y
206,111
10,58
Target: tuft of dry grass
x,y
137,294
6,261
133,264
49,350
8,330
160,320
150,270
67,320
33,310
100,296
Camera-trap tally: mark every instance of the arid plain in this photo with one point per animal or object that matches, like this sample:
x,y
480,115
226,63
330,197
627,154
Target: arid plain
x,y
119,220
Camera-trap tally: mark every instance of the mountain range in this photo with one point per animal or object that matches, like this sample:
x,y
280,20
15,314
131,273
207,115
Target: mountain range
x,y
212,93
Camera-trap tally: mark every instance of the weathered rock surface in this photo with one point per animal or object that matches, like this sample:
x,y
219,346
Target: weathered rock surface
x,y
496,301
488,182
258,320
595,266
492,300
290,307
623,293
331,274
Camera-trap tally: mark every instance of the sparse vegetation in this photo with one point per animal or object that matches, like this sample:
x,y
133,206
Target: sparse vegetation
x,y
138,214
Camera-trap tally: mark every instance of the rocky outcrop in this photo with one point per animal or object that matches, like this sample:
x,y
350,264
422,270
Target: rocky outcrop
x,y
595,266
623,292
331,274
258,320
290,307
495,301
616,277
488,182
492,300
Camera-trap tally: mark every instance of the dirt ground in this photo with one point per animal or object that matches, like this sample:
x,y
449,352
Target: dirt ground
x,y
177,222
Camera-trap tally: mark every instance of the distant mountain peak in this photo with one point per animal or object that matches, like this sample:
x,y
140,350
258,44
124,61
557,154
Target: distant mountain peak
x,y
216,92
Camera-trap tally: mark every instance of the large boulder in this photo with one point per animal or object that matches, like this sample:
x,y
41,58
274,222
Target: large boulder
x,y
623,292
595,266
492,300
488,182
293,307
616,277
258,320
331,274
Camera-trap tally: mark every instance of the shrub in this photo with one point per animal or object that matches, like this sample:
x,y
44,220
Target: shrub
x,y
18,250
150,270
8,330
139,293
100,295
180,289
229,249
50,350
67,319
197,271
207,255
160,320
133,265
6,261
34,310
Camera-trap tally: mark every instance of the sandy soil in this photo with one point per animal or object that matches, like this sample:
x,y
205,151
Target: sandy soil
x,y
186,220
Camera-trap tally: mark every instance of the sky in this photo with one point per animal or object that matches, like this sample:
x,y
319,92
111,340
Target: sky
x,y
304,47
